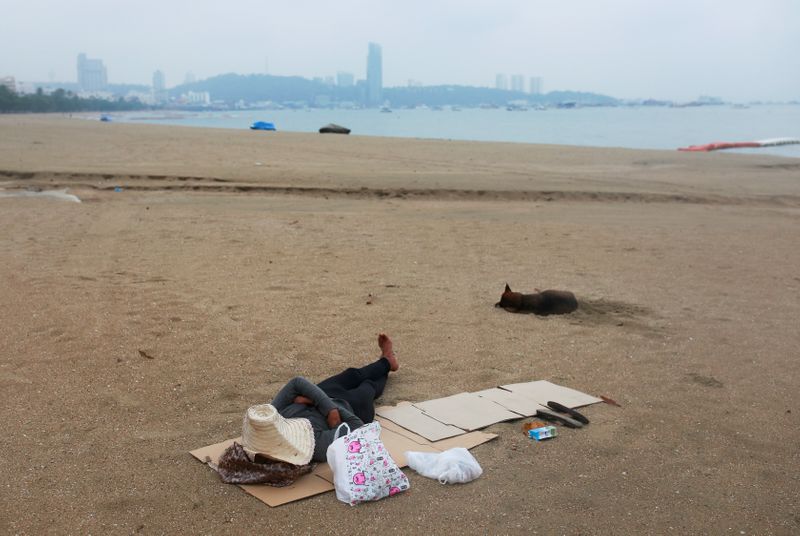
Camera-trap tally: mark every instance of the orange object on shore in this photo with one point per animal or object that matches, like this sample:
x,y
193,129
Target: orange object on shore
x,y
716,146
528,426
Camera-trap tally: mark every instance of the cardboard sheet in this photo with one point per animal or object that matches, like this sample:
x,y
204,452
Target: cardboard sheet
x,y
305,486
543,391
212,453
432,426
466,410
324,470
320,480
467,441
518,402
386,424
397,444
412,418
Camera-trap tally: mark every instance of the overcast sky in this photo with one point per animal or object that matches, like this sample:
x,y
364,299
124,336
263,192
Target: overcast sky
x,y
672,49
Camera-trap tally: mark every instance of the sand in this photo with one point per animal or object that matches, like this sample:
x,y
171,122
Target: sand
x,y
139,324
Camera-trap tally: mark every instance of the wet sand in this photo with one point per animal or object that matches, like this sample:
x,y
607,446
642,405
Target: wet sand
x,y
205,267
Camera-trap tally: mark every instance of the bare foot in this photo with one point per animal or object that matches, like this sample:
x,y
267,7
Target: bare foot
x,y
385,344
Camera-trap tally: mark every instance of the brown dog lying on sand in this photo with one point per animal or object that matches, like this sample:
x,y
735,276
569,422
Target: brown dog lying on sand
x,y
543,303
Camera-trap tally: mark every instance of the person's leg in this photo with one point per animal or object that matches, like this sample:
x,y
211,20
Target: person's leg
x,y
377,372
362,398
360,387
354,377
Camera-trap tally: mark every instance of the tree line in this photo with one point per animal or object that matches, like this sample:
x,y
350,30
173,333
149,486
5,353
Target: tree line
x,y
61,101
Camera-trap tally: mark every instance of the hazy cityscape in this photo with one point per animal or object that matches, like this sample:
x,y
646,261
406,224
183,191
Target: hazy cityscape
x,y
514,91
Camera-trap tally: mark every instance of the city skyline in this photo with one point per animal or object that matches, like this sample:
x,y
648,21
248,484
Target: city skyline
x,y
91,76
673,50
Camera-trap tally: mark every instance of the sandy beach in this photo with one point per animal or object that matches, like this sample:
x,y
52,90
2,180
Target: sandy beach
x,y
204,268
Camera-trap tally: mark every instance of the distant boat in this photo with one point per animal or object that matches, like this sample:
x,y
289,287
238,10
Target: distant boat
x,y
262,125
333,128
105,118
516,108
386,110
717,146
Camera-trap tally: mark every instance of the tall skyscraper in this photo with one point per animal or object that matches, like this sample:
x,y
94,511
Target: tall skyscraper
x,y
159,86
374,75
159,83
517,82
91,74
501,82
535,85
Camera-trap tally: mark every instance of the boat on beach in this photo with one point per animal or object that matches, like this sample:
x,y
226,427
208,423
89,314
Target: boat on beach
x,y
720,145
262,125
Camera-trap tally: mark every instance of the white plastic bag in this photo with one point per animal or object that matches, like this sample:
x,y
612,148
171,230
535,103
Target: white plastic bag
x,y
362,468
454,466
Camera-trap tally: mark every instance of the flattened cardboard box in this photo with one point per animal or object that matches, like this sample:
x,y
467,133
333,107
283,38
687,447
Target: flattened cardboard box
x,y
467,411
516,402
431,426
453,415
320,480
542,391
411,417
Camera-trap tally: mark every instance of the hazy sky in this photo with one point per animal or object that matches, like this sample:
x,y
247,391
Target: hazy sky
x,y
675,49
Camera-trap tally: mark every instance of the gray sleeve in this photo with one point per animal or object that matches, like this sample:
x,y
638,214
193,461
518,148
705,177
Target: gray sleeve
x,y
325,438
350,418
303,387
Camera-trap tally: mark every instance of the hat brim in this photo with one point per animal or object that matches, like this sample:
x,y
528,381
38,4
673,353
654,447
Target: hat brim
x,y
267,432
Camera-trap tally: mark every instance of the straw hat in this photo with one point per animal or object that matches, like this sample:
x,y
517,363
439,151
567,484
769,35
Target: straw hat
x,y
267,432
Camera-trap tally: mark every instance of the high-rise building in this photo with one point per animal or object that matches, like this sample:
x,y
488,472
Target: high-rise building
x,y
517,82
535,85
374,75
91,74
344,79
501,82
190,78
159,86
159,83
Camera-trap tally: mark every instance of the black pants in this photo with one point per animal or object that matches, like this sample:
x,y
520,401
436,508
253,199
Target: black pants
x,y
359,387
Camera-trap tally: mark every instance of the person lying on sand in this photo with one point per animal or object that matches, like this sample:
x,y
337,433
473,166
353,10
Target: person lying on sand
x,y
346,397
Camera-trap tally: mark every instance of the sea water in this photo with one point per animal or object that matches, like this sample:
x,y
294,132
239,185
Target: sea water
x,y
641,127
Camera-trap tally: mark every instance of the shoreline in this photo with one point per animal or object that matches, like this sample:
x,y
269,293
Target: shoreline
x,y
634,130
144,121
282,159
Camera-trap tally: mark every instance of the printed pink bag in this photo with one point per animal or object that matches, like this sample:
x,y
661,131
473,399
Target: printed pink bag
x,y
362,468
